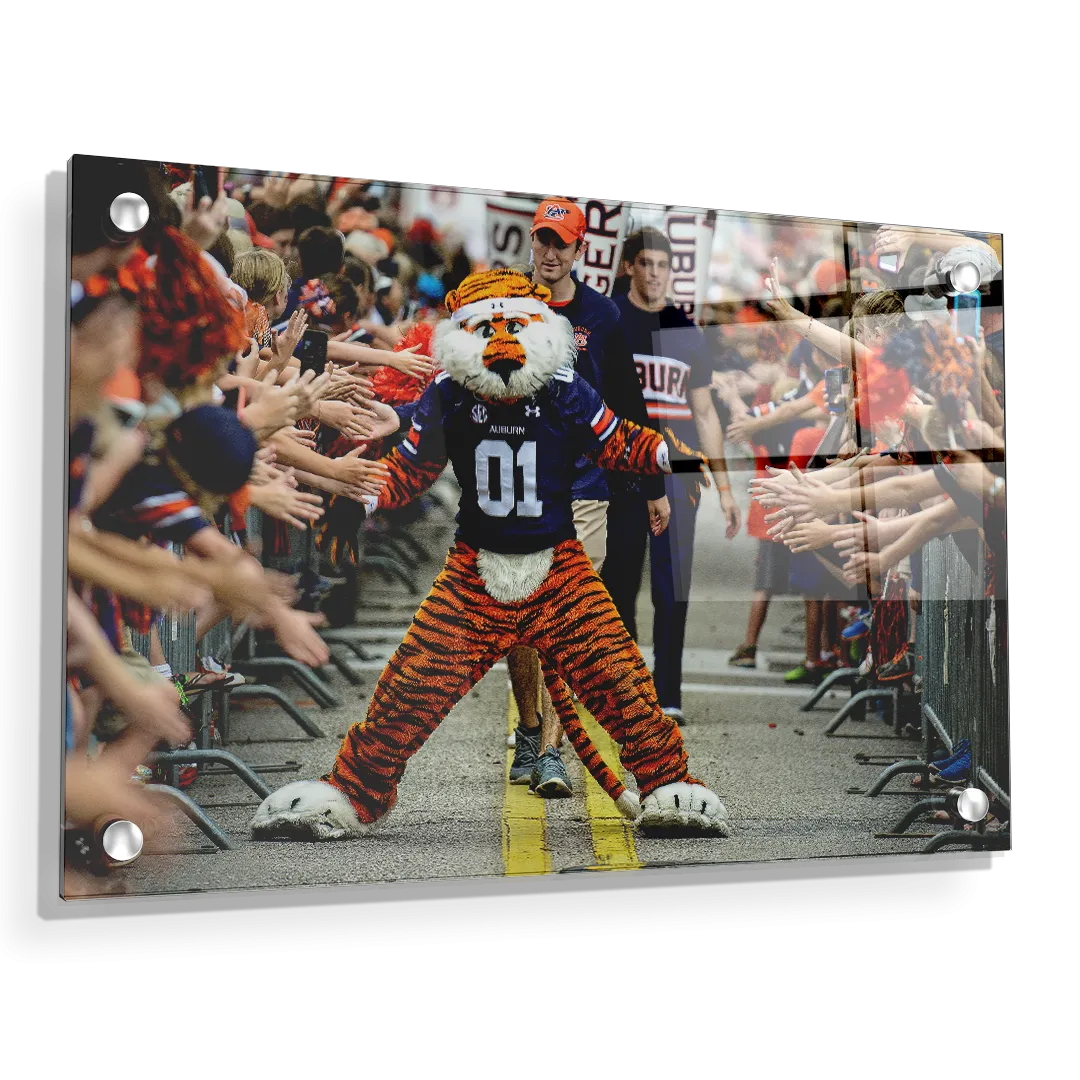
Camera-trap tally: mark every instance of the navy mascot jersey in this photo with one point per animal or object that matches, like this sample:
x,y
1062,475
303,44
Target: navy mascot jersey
x,y
513,460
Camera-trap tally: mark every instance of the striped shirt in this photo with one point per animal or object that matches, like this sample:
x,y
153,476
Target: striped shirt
x,y
150,502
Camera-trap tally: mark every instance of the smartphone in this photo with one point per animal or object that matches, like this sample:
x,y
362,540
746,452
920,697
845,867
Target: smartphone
x,y
313,351
204,179
835,378
889,263
965,315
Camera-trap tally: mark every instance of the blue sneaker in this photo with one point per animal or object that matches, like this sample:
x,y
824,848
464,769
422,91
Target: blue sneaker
x,y
858,629
526,754
961,748
958,770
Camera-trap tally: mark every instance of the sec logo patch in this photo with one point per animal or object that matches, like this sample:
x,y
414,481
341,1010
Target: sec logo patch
x,y
479,414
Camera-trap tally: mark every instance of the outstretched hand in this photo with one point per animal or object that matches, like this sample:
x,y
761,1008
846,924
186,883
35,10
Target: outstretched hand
x,y
411,362
378,421
281,499
205,222
368,476
284,344
777,304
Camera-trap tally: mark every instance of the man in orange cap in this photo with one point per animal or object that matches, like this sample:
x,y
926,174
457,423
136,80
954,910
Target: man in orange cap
x,y
605,362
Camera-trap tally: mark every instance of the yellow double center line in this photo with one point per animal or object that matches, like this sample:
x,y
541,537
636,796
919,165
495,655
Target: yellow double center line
x,y
524,845
524,841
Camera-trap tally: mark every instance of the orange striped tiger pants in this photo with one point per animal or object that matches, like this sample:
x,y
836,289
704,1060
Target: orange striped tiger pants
x,y
460,632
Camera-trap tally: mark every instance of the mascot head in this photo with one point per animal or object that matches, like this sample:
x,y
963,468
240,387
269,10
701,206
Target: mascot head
x,y
502,341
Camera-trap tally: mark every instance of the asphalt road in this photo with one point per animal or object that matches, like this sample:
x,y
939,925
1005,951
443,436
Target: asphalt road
x,y
784,783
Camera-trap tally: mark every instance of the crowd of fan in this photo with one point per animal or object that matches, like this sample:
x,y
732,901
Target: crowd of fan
x,y
188,406
906,445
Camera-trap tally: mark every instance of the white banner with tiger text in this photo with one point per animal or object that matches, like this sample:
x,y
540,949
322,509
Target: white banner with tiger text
x,y
605,230
508,222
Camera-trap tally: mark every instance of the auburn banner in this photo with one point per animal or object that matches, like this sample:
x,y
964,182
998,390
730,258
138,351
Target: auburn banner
x,y
508,224
605,230
690,233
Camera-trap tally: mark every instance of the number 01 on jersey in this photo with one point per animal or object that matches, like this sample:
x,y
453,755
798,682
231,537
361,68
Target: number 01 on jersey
x,y
497,455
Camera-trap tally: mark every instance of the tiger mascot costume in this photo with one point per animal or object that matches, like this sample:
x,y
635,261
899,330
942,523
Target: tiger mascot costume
x,y
513,417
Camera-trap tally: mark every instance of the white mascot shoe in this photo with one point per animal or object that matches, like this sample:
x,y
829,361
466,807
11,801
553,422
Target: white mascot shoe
x,y
306,810
682,808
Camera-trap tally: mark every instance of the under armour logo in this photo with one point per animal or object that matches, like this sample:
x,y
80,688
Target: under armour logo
x,y
532,410
479,414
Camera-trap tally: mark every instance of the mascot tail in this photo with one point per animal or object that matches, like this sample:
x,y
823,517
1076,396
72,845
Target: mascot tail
x,y
612,786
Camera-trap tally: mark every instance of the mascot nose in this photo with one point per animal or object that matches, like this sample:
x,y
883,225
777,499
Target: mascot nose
x,y
504,355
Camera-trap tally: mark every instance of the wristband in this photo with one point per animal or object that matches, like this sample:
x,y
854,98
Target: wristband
x,y
724,487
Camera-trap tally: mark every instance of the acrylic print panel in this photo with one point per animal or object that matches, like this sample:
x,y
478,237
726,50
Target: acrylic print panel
x,y
419,532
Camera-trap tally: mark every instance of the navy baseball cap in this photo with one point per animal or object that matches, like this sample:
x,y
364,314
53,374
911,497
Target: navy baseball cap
x,y
213,447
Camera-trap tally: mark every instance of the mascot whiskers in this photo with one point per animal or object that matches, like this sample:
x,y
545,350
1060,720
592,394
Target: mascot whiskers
x,y
513,417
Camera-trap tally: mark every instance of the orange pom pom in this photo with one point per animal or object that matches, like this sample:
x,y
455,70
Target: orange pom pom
x,y
393,387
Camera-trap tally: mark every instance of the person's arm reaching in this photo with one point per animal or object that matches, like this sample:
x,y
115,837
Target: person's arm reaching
x,y
898,239
351,469
407,361
936,521
152,706
292,629
833,342
167,587
711,441
824,500
763,417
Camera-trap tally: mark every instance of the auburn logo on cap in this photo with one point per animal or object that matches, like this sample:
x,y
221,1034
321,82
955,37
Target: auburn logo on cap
x,y
556,212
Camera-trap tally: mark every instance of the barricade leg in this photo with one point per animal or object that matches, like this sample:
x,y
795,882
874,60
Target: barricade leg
x,y
257,690
323,695
216,757
856,701
194,813
935,802
834,678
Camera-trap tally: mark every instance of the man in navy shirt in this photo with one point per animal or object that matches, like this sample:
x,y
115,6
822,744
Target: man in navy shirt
x,y
605,363
674,371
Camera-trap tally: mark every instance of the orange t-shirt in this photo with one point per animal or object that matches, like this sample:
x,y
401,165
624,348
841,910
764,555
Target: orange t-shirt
x,y
804,444
238,502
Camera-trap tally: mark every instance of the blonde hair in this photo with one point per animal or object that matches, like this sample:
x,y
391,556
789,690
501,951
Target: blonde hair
x,y
880,312
261,274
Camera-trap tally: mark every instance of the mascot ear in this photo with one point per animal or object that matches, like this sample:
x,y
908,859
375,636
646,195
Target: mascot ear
x,y
542,293
453,301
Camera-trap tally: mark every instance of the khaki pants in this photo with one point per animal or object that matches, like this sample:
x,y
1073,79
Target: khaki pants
x,y
590,522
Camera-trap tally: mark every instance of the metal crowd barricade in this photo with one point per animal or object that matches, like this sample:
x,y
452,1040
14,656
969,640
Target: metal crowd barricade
x,y
962,681
177,632
263,657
